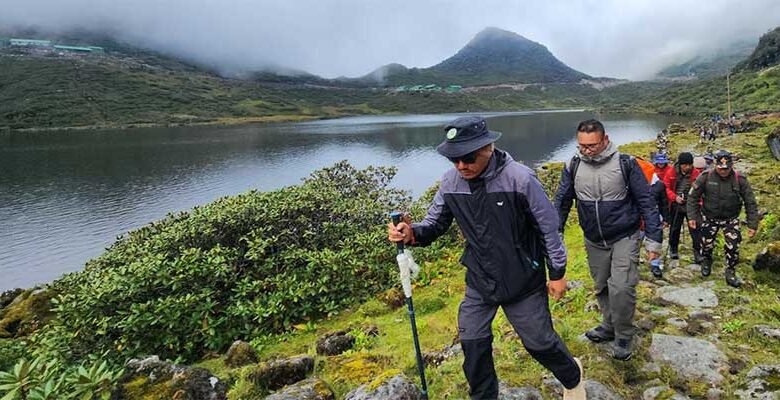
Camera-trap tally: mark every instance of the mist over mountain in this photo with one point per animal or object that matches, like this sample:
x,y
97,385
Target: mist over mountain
x,y
711,63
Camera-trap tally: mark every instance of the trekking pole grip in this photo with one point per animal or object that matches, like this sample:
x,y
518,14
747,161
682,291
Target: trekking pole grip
x,y
396,217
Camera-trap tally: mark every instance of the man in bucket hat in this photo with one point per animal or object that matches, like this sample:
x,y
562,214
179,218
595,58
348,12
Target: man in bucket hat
x,y
511,228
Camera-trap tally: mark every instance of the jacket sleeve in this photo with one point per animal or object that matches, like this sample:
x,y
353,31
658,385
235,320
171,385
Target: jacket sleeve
x,y
435,223
670,183
564,197
692,205
751,206
659,191
640,193
546,217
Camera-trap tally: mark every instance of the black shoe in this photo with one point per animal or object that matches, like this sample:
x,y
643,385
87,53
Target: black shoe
x,y
674,256
706,269
599,335
732,279
622,349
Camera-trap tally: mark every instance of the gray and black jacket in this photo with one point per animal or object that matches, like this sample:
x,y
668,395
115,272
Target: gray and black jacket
x,y
609,208
510,226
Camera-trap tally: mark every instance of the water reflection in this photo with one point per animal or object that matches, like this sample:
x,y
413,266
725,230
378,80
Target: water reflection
x,y
65,196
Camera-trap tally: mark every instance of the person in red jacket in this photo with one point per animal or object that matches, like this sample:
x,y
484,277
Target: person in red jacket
x,y
661,165
678,181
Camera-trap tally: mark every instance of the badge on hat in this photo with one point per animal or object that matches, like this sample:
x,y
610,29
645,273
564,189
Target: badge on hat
x,y
452,133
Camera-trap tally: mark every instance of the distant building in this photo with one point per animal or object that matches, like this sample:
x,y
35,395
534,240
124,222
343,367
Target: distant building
x,y
30,43
79,49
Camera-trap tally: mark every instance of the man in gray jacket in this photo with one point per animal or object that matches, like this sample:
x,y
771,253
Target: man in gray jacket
x,y
613,198
511,230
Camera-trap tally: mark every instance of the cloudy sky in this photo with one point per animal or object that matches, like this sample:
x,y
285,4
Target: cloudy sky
x,y
617,38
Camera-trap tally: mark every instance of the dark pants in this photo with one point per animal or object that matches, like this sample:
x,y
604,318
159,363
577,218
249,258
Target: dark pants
x,y
530,317
678,217
731,239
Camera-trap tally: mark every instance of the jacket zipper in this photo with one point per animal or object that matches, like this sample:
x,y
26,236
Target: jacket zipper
x,y
598,223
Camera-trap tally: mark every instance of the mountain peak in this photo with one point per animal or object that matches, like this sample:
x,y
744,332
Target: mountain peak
x,y
490,34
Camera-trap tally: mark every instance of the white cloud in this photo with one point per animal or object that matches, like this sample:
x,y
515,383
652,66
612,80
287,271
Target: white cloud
x,y
352,37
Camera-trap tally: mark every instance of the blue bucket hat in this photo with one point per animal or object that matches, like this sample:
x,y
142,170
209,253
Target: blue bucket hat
x,y
660,158
464,135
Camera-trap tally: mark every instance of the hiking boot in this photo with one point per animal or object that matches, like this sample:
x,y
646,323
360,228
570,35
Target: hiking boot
x,y
732,279
706,269
599,334
577,392
621,350
655,269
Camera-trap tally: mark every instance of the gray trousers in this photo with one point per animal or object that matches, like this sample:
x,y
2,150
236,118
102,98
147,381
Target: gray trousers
x,y
614,269
530,317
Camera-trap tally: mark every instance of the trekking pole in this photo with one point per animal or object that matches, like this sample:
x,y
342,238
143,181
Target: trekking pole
x,y
408,267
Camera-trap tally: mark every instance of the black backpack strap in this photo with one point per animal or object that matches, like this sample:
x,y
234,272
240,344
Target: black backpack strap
x,y
573,165
626,165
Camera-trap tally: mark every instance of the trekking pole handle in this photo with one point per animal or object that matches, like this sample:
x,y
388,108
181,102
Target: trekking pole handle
x,y
396,217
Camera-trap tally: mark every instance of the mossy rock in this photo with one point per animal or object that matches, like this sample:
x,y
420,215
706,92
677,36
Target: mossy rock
x,y
155,379
769,258
278,374
26,313
240,353
393,298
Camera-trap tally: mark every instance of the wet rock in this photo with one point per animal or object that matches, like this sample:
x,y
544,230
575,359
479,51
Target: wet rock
x,y
768,259
678,323
691,358
506,392
308,389
152,377
757,386
239,354
436,358
662,392
398,387
768,331
279,373
688,297
335,343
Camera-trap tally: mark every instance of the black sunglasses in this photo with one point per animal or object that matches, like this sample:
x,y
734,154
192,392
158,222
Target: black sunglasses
x,y
467,159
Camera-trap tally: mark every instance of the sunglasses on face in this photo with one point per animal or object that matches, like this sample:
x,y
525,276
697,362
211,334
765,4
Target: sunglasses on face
x,y
467,159
590,147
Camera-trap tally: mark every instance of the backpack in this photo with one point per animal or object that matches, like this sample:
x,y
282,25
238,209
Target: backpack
x,y
625,167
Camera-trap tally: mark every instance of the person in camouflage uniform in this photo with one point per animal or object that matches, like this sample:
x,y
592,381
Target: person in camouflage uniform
x,y
714,203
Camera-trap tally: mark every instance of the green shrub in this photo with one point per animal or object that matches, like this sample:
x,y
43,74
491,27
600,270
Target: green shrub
x,y
242,266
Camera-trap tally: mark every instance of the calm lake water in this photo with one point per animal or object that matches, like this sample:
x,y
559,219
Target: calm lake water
x,y
66,196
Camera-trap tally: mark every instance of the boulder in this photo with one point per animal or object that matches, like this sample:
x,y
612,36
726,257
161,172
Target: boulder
x,y
280,373
335,343
8,296
506,392
399,387
758,387
307,389
768,259
768,331
239,354
688,297
393,298
25,313
662,392
691,358
160,379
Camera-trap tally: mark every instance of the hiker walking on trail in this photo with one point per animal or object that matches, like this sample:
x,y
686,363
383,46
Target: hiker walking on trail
x,y
612,197
721,192
678,183
511,228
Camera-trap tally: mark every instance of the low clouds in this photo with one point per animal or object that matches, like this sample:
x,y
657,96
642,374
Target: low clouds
x,y
353,37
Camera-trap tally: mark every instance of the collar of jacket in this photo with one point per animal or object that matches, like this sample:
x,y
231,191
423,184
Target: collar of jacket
x,y
497,162
602,157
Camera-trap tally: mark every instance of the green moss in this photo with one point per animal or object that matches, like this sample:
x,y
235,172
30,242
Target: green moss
x,y
26,314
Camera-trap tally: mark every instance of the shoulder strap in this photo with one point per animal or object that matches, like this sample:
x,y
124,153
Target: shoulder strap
x,y
573,165
625,167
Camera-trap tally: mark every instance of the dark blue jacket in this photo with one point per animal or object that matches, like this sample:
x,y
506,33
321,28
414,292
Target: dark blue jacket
x,y
510,226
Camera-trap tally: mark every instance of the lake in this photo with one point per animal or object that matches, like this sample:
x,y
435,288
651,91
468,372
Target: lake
x,y
65,196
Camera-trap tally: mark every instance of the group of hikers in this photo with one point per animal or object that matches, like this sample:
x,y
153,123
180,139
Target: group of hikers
x,y
513,231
